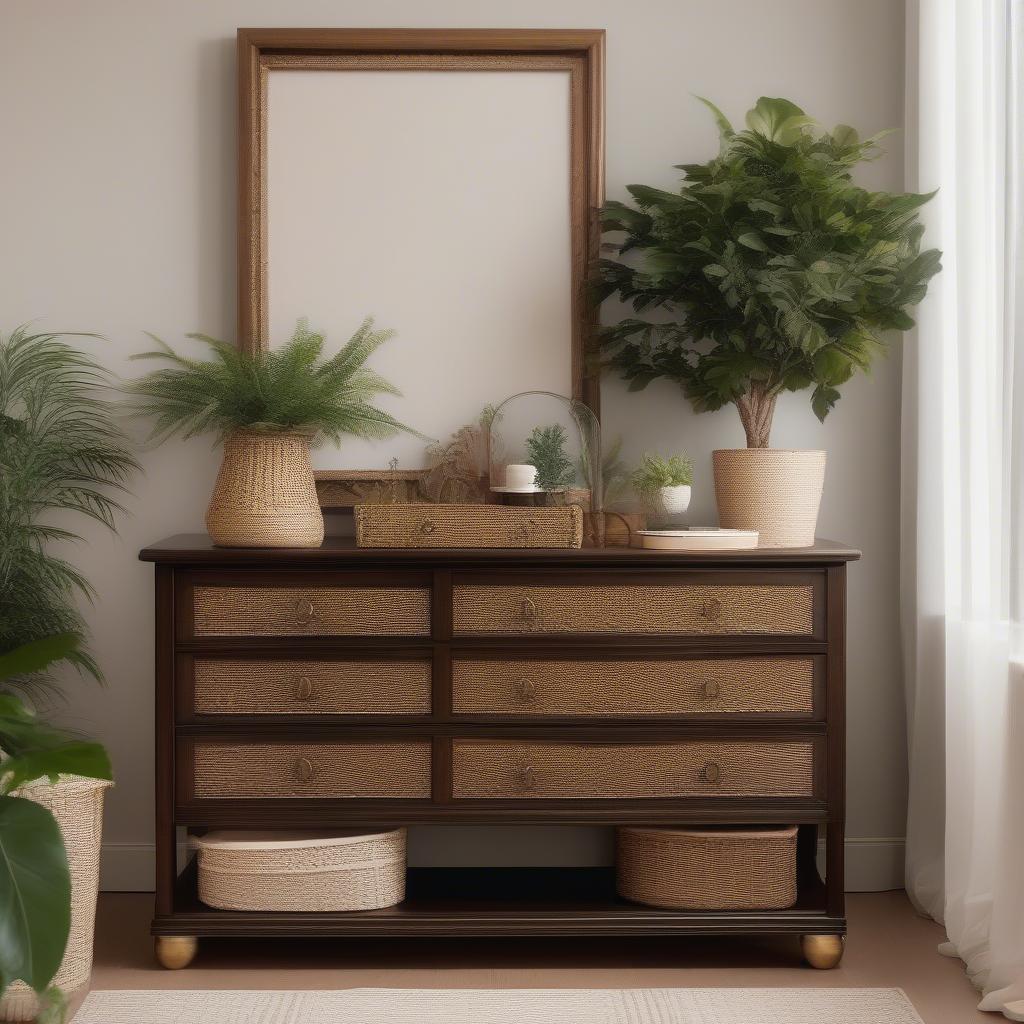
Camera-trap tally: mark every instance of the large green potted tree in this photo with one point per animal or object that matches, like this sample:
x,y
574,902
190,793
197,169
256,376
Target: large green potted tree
x,y
63,456
777,273
268,408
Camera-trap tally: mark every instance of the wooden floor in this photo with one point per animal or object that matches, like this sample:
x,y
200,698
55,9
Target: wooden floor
x,y
889,946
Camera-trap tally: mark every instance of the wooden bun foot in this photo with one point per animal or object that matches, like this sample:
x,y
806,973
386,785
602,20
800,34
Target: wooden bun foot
x,y
175,951
822,952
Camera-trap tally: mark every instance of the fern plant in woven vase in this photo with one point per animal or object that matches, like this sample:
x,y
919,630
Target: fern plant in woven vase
x,y
268,408
777,273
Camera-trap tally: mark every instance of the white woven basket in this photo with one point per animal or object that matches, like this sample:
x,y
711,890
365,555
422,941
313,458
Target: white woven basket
x,y
302,871
77,805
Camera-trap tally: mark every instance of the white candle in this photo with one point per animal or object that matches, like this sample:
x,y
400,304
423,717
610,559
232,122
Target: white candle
x,y
520,477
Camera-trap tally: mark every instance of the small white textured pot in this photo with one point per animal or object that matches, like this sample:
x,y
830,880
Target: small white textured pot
x,y
265,495
674,500
775,491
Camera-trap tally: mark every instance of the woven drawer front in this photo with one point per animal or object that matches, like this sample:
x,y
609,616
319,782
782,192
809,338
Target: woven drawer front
x,y
489,769
637,608
467,526
311,769
711,686
311,611
235,686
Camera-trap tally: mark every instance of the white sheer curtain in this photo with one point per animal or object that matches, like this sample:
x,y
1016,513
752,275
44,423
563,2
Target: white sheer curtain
x,y
963,523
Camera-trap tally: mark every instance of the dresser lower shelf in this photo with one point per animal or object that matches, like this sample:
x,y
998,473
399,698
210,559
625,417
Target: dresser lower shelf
x,y
504,902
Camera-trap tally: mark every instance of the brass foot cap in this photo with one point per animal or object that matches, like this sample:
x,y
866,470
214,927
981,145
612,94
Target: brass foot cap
x,y
175,951
822,952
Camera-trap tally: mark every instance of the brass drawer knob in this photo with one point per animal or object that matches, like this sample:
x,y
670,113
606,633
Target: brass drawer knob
x,y
710,690
528,777
427,526
303,688
524,690
711,772
303,770
305,612
711,609
528,609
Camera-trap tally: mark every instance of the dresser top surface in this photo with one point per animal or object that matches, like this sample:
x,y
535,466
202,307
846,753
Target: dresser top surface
x,y
196,549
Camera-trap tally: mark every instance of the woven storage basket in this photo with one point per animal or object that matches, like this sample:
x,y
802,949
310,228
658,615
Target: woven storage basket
x,y
708,869
468,526
265,496
775,491
77,805
302,871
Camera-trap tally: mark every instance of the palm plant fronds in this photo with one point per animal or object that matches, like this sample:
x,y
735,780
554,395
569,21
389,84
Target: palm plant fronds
x,y
286,389
61,450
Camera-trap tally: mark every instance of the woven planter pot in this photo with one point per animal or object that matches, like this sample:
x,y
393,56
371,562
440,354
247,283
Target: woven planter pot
x,y
265,496
77,805
775,491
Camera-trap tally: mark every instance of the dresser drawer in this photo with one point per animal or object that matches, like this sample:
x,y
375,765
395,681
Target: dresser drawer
x,y
216,685
781,686
271,770
550,770
309,609
782,604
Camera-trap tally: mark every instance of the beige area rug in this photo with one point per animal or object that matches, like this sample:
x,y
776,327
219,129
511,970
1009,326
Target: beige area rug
x,y
505,1006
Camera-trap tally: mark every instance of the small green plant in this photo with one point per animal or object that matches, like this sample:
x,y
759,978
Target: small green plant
x,y
545,451
270,391
654,472
780,273
61,451
35,882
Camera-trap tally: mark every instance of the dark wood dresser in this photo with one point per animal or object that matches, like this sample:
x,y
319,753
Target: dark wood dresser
x,y
345,687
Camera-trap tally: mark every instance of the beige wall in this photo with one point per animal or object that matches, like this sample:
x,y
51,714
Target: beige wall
x,y
117,214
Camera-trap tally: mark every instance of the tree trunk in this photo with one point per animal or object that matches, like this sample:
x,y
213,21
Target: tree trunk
x,y
756,408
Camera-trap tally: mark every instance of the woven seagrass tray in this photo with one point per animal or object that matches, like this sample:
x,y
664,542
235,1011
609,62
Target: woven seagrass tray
x,y
468,526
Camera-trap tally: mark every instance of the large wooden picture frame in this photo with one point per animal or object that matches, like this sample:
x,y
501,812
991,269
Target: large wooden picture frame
x,y
263,52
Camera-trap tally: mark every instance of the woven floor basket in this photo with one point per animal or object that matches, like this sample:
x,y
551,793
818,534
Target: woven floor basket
x,y
775,491
302,871
707,869
265,496
468,526
77,805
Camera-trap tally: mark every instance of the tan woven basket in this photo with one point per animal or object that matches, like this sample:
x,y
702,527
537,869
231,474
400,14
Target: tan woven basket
x,y
708,869
468,526
265,496
77,805
302,871
775,491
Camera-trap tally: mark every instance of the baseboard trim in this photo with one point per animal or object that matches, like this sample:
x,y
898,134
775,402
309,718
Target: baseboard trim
x,y
872,865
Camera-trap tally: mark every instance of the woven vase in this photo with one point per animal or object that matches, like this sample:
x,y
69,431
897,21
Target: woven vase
x,y
775,491
265,496
77,806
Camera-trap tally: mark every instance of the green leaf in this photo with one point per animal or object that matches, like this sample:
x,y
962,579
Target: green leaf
x,y
35,894
752,240
777,119
823,400
725,129
37,654
76,757
844,135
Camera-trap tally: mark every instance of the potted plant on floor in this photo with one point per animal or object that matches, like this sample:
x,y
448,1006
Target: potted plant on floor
x,y
62,455
268,407
780,275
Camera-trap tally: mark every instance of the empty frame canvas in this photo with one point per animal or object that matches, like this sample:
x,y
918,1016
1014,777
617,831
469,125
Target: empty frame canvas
x,y
439,203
